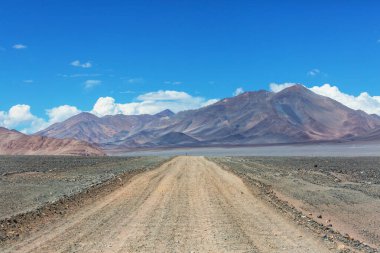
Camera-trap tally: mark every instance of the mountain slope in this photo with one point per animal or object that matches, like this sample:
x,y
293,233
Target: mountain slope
x,y
16,143
373,136
90,128
295,114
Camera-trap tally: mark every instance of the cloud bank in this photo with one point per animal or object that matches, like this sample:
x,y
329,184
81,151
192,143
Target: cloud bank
x,y
364,101
20,116
151,103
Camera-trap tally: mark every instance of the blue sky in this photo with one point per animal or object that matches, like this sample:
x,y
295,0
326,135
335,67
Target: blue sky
x,y
55,53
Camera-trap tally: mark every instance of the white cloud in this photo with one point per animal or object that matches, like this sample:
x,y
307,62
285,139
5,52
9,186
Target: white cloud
x,y
20,117
61,113
313,72
77,63
238,91
18,114
151,103
275,87
88,84
364,101
210,102
19,46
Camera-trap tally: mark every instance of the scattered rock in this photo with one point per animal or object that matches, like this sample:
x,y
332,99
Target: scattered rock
x,y
3,236
319,216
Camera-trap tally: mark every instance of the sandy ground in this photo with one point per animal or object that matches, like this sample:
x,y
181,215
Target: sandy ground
x,y
341,192
189,204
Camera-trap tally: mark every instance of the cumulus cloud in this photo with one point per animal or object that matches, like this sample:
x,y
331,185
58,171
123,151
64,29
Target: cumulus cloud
x,y
238,91
19,46
61,113
78,64
88,84
275,87
21,117
18,114
151,103
364,101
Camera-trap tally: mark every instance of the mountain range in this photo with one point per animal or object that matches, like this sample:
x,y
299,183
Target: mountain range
x,y
293,115
15,143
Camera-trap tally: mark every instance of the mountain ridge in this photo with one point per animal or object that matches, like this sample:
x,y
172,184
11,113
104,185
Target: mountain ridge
x,y
292,115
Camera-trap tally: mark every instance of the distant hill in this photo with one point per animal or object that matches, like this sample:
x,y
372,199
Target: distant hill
x,y
90,128
15,143
292,115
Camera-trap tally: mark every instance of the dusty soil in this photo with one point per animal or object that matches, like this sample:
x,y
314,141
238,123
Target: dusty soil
x,y
188,204
340,193
29,182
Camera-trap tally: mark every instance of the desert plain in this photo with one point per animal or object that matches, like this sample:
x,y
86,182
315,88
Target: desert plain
x,y
189,204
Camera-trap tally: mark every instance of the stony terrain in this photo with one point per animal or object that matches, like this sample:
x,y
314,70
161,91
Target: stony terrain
x,y
27,182
188,204
342,193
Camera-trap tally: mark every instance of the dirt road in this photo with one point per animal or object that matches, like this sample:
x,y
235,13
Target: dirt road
x,y
188,204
